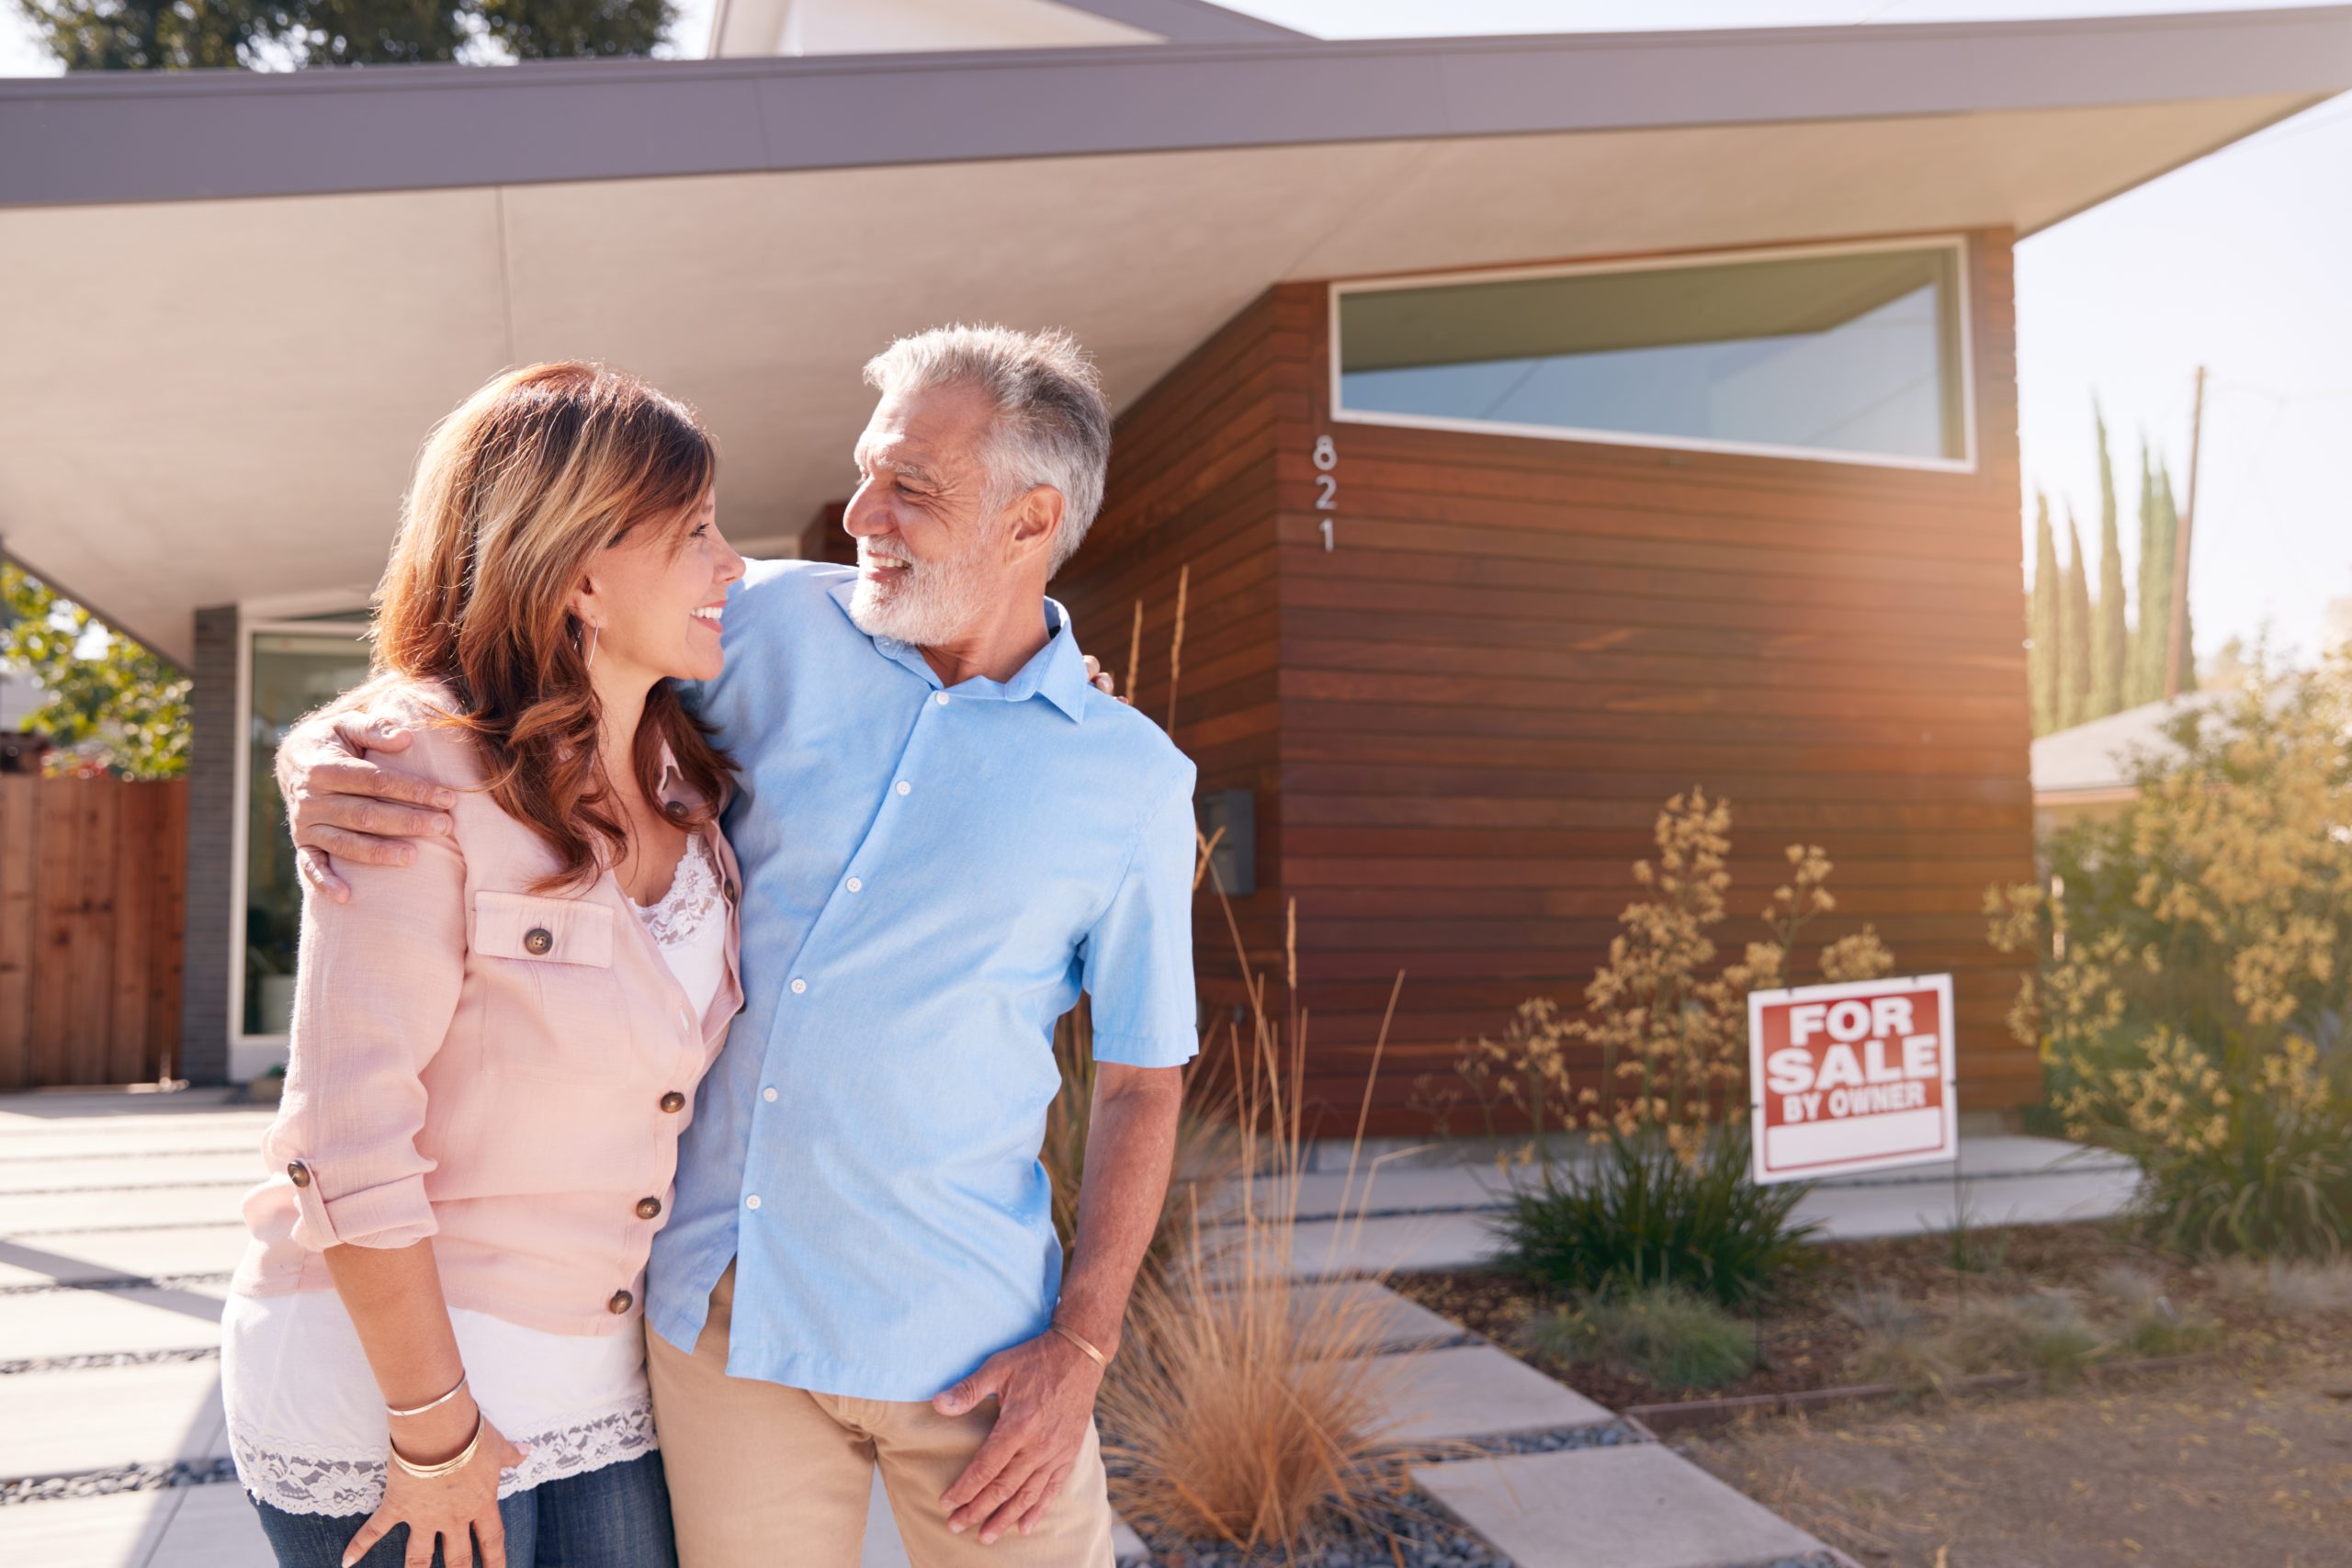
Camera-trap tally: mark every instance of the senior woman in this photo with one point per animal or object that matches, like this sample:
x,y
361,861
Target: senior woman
x,y
434,1351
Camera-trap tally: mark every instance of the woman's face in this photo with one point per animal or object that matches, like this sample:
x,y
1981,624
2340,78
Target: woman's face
x,y
655,599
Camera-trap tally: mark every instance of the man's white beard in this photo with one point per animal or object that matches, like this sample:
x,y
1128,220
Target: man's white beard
x,y
929,603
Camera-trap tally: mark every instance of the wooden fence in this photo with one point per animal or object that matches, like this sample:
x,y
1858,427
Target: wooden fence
x,y
91,899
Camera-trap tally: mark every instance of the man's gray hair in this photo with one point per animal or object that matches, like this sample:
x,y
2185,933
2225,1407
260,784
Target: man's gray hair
x,y
1053,427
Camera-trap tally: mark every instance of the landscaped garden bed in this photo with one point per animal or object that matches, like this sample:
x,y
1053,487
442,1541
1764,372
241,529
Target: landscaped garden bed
x,y
1829,1324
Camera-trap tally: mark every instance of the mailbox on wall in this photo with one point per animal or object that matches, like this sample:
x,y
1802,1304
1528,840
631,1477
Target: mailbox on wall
x,y
1229,823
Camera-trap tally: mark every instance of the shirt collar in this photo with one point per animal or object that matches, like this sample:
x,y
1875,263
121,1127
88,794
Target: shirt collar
x,y
1056,672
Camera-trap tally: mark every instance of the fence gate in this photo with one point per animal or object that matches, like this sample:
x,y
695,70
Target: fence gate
x,y
91,897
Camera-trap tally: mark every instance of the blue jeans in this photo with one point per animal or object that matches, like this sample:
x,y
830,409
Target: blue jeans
x,y
615,1518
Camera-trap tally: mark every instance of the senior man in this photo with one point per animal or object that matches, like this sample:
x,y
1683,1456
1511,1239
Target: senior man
x,y
945,834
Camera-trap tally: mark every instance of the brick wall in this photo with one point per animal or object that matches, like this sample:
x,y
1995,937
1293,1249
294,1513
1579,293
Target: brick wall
x,y
213,810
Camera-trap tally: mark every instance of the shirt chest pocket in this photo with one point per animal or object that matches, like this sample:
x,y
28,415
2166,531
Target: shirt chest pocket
x,y
553,1006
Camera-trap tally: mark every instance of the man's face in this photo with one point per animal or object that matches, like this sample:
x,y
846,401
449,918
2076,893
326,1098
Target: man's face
x,y
929,555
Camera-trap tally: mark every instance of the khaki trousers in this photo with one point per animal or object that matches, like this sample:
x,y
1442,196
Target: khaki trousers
x,y
765,1476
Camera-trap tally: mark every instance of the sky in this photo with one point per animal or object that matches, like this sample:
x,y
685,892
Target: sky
x,y
2235,263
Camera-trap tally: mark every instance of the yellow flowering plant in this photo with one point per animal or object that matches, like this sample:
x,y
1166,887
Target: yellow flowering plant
x,y
1654,1070
2195,969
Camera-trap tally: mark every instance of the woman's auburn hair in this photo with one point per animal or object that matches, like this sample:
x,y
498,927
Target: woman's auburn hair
x,y
515,493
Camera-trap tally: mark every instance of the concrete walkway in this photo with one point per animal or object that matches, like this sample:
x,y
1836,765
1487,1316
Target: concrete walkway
x,y
118,1229
1408,1215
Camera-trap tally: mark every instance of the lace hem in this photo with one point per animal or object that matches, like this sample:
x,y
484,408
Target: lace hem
x,y
694,893
297,1479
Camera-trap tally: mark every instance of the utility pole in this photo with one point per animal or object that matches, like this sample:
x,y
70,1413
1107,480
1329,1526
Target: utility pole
x,y
2174,650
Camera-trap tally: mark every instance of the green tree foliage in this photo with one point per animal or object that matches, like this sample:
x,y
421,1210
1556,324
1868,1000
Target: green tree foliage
x,y
110,704
2159,560
2179,565
2111,634
181,35
2074,632
2046,647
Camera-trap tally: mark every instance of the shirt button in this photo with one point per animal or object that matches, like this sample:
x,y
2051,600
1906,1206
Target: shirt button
x,y
622,1300
299,1174
798,986
768,1095
939,697
856,885
904,786
539,942
752,1201
648,1208
673,1102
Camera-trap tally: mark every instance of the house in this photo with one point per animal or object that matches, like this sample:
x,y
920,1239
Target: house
x,y
2091,771
1534,426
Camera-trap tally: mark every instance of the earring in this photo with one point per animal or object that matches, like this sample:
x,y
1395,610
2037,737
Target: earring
x,y
595,632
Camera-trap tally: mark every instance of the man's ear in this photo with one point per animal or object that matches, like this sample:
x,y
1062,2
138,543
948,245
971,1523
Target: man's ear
x,y
1037,518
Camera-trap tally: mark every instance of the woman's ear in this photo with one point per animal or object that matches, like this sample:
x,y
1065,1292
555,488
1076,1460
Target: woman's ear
x,y
586,606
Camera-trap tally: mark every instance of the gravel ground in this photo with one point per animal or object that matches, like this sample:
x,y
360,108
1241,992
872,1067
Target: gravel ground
x,y
1415,1531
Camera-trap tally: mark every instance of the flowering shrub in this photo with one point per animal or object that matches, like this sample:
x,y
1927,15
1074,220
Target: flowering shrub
x,y
1668,1022
1668,1199
2195,954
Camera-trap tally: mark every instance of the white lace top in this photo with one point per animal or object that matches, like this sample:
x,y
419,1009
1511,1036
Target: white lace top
x,y
306,1420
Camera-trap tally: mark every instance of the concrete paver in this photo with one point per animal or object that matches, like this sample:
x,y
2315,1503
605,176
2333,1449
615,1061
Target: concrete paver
x,y
1398,1321
113,1172
26,1215
1636,1507
1476,1391
82,1323
63,1423
112,1255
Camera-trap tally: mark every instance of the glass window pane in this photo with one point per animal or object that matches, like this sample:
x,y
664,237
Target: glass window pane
x,y
292,673
1839,354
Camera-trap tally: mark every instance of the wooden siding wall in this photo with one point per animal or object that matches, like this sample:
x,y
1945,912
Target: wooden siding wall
x,y
1191,486
90,929
1462,721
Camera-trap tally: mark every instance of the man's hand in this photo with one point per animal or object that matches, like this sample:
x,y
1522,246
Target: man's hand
x,y
1045,1391
342,806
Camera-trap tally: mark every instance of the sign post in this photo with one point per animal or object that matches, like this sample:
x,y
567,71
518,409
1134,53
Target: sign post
x,y
1851,1078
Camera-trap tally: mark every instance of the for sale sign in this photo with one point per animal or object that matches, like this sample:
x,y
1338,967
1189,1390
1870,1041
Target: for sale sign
x,y
1851,1078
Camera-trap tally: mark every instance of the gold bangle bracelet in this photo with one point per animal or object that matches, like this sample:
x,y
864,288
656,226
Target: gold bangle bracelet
x,y
430,1403
1097,1357
450,1466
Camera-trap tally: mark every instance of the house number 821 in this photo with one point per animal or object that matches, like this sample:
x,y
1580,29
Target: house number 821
x,y
1326,458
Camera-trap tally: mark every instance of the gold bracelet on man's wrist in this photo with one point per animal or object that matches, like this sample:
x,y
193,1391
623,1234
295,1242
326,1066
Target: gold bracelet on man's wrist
x,y
1074,1338
451,1465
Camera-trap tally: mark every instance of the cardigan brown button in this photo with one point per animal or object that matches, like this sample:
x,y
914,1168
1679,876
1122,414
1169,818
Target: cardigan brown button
x,y
676,807
622,1300
299,1174
647,1208
539,942
673,1102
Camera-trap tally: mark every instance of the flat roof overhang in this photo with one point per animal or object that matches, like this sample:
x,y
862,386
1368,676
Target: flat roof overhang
x,y
233,303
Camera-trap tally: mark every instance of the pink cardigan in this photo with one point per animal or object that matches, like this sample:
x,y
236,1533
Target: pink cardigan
x,y
503,1071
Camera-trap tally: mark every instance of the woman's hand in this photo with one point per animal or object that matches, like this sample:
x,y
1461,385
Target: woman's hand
x,y
460,1508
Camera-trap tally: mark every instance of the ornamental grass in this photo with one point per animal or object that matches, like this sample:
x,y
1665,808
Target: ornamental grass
x,y
1248,1405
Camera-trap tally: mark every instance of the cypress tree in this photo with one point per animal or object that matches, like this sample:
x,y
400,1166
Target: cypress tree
x,y
2176,568
2112,630
2074,632
2145,683
2043,650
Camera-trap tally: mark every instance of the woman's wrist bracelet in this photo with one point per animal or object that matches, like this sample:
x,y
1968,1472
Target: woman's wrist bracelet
x,y
449,1466
1074,1338
430,1404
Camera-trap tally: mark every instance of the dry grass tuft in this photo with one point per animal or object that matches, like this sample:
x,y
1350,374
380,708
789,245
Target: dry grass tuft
x,y
2289,1288
1247,1405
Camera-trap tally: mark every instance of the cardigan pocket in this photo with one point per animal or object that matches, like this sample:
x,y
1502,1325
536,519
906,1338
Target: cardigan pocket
x,y
555,1005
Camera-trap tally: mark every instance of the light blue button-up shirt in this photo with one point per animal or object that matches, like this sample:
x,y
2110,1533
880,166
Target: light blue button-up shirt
x,y
930,878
